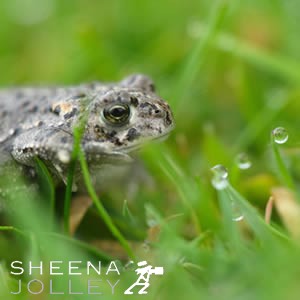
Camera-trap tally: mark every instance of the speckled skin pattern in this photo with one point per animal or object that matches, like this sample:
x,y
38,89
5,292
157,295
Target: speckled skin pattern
x,y
121,116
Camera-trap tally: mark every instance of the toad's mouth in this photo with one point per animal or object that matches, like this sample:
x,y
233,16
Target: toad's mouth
x,y
96,153
142,142
99,153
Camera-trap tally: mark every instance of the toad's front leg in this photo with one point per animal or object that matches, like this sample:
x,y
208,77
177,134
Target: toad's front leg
x,y
52,145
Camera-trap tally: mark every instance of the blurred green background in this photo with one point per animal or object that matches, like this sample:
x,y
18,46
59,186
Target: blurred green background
x,y
230,71
225,85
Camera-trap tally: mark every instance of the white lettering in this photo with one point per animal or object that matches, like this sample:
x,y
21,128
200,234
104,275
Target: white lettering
x,y
70,289
13,266
71,267
53,267
31,267
93,286
32,281
51,289
20,288
113,286
110,269
90,265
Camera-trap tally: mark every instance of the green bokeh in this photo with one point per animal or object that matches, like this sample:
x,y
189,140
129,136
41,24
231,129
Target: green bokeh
x,y
230,70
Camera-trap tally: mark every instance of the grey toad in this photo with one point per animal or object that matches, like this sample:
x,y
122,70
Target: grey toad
x,y
39,121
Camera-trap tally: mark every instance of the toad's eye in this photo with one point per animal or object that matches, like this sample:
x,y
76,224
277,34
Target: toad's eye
x,y
117,114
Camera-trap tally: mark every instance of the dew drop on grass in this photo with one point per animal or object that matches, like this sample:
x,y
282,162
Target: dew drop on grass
x,y
243,161
280,135
237,215
219,171
220,174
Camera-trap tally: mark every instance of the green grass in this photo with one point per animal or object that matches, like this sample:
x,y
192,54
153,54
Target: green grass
x,y
230,71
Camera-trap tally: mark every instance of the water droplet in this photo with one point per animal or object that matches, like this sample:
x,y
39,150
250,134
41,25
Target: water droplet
x,y
280,135
220,174
129,265
220,171
243,161
237,215
64,156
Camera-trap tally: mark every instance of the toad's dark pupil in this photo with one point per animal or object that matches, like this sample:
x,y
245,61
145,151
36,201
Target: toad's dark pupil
x,y
117,114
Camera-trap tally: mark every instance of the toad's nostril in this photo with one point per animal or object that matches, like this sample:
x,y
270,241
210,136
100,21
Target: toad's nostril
x,y
168,118
159,112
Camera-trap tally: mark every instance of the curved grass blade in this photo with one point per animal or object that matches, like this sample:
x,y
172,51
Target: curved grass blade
x,y
78,133
282,169
263,230
187,189
102,211
197,57
46,184
82,245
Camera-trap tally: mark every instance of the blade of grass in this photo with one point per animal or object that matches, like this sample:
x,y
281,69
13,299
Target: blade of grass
x,y
78,133
186,188
12,228
282,169
230,227
46,184
126,212
263,230
58,236
276,64
68,194
77,154
259,123
82,245
102,211
198,54
4,278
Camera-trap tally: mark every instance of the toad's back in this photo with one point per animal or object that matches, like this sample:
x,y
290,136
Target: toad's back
x,y
21,108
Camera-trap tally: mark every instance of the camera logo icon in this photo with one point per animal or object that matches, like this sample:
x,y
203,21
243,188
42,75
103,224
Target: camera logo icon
x,y
144,271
